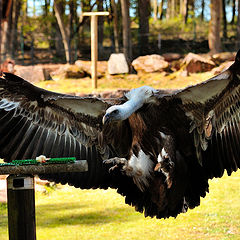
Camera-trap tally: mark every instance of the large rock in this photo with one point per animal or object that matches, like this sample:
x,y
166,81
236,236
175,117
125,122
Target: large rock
x,y
223,57
117,64
150,63
194,63
69,71
86,67
169,57
224,66
33,73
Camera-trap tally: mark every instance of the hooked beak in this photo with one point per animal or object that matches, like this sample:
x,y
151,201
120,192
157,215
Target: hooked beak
x,y
106,118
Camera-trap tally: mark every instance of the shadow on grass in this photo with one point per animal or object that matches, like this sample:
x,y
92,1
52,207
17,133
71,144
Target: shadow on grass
x,y
56,215
56,207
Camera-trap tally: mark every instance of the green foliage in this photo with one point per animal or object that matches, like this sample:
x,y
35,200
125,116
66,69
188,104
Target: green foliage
x,y
175,28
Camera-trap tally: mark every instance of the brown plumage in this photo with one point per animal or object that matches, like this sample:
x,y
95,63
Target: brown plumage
x,y
157,148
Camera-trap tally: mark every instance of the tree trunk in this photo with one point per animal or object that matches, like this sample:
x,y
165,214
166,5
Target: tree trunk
x,y
224,19
100,28
65,35
155,10
214,40
238,26
233,11
185,10
173,5
115,25
6,16
46,7
161,9
168,10
4,33
144,11
12,41
127,45
202,12
1,17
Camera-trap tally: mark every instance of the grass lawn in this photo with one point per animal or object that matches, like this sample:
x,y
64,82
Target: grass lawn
x,y
72,214
128,81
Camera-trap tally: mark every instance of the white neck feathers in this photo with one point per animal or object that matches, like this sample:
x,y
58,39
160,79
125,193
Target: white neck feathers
x,y
136,98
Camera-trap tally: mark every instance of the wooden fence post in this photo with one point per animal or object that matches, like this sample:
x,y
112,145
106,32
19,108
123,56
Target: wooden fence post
x,y
94,42
21,207
21,193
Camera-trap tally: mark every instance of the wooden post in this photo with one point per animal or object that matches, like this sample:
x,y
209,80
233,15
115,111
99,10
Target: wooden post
x,y
21,194
94,49
94,42
0,35
21,207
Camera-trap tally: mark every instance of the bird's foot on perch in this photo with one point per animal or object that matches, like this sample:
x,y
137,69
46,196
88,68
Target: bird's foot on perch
x,y
116,162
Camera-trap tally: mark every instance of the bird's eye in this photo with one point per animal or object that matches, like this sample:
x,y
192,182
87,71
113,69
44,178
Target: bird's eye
x,y
115,111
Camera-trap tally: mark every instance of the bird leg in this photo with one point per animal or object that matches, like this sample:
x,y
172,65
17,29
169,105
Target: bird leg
x,y
165,159
166,166
116,162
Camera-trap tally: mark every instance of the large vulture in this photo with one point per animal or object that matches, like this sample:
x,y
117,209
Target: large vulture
x,y
157,148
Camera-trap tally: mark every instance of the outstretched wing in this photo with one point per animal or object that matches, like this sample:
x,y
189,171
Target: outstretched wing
x,y
35,121
213,109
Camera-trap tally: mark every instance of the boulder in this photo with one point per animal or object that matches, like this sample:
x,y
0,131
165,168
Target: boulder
x,y
150,63
194,63
32,73
86,66
223,57
69,71
222,67
117,64
169,57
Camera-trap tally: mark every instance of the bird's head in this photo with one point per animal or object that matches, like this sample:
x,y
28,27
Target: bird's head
x,y
114,113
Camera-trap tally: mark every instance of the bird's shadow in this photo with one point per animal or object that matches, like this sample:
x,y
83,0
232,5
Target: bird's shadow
x,y
51,215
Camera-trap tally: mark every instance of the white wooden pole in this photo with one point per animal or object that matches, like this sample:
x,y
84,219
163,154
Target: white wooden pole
x,y
94,42
94,49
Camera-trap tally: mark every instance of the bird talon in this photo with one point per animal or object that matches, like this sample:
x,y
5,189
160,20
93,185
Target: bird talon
x,y
116,162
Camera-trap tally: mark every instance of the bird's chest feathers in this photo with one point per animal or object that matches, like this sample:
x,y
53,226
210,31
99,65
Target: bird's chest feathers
x,y
144,135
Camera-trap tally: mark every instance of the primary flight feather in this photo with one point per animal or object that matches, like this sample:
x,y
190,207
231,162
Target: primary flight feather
x,y
157,148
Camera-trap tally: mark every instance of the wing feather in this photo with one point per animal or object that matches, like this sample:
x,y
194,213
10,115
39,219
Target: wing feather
x,y
61,114
213,110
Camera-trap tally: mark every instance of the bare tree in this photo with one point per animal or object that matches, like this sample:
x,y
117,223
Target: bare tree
x,y
202,11
184,10
144,11
115,25
155,9
171,4
65,35
6,9
161,9
100,26
214,40
127,44
224,19
12,40
233,11
238,25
